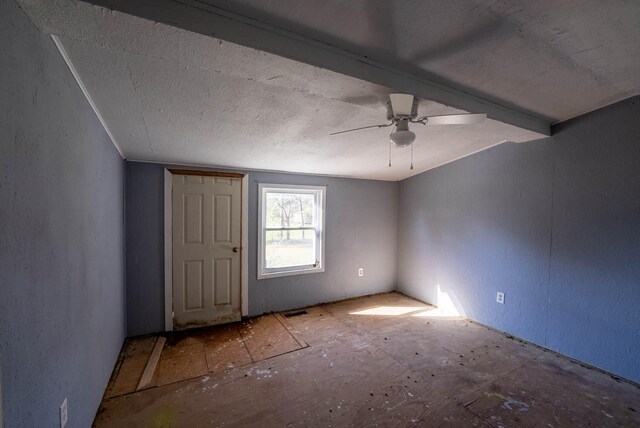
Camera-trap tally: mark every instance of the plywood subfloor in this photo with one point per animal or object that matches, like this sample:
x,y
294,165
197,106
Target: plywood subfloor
x,y
386,360
194,353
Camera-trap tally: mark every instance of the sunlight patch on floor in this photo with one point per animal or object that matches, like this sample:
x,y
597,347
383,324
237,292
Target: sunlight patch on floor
x,y
437,313
387,310
446,308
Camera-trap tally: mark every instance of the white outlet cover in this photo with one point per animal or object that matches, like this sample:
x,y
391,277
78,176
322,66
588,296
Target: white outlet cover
x,y
63,414
500,297
360,272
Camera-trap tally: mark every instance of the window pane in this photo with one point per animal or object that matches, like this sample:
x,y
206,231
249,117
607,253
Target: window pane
x,y
289,248
289,209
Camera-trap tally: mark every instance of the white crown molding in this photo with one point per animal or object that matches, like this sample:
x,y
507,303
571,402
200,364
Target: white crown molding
x,y
84,90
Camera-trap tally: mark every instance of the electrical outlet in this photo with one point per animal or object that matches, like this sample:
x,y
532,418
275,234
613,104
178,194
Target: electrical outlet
x,y
360,272
63,414
500,297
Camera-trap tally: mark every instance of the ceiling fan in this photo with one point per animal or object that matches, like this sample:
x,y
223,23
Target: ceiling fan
x,y
402,109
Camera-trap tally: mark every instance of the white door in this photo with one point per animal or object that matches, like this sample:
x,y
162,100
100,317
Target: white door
x,y
206,250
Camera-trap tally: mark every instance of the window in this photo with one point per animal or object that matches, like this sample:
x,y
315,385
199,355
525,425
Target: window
x,y
291,230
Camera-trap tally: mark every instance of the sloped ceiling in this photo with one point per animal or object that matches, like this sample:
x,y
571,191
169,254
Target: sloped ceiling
x,y
172,95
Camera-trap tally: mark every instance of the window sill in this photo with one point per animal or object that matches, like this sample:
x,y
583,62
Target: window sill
x,y
270,275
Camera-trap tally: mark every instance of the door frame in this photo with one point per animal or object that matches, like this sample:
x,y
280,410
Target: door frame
x,y
168,238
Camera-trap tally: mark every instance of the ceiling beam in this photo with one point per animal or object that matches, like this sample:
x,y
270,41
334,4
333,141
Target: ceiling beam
x,y
210,20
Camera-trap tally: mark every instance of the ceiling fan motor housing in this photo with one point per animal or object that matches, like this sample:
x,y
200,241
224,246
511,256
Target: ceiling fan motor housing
x,y
402,106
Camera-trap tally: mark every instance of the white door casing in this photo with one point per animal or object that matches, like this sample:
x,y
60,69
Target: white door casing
x,y
206,256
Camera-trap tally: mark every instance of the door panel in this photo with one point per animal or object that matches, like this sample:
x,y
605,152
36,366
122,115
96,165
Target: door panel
x,y
194,218
223,279
194,285
206,270
223,224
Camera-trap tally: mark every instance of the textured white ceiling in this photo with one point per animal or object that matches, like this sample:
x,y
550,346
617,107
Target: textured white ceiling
x,y
169,95
555,58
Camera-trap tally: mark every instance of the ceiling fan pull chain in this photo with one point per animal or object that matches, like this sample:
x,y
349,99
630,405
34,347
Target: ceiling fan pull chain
x,y
389,154
412,156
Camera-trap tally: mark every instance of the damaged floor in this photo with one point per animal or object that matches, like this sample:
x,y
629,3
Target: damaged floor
x,y
193,353
383,360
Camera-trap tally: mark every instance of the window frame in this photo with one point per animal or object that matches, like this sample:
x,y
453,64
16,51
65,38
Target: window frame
x,y
320,199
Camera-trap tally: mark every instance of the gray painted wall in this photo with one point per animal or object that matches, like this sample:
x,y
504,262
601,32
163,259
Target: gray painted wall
x,y
145,248
360,232
555,224
61,236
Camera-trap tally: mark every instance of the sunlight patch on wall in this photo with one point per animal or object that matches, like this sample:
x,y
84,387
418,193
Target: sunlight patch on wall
x,y
445,302
445,306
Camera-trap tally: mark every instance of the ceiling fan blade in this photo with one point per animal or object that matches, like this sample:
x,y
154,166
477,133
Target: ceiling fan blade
x,y
401,104
456,119
364,127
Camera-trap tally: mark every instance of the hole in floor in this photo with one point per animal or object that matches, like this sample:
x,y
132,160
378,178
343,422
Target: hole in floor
x,y
295,313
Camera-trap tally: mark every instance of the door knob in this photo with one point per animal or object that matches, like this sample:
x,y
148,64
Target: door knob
x,y
236,249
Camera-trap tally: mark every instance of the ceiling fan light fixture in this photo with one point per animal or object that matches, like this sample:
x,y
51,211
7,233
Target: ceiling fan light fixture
x,y
402,138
